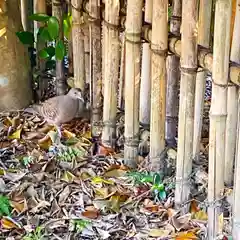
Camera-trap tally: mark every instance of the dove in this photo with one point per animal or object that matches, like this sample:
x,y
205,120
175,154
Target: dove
x,y
60,109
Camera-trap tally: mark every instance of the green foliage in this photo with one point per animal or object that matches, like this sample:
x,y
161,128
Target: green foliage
x,y
5,207
60,50
39,17
80,225
27,38
37,234
27,160
67,24
69,154
43,34
53,27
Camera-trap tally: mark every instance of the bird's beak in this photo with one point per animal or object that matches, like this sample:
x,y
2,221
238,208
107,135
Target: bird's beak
x,y
81,98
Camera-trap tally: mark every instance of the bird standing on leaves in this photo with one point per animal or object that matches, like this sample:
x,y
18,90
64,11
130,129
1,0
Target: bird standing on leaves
x,y
60,109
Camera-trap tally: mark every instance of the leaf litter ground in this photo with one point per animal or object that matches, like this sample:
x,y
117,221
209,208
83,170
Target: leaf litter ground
x,y
79,189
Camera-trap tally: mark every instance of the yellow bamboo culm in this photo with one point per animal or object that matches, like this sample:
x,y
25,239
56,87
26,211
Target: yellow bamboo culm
x,y
159,46
186,105
111,59
218,114
132,80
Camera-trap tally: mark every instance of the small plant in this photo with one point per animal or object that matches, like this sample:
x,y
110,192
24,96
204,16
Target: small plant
x,y
5,206
154,179
27,160
49,33
37,234
80,224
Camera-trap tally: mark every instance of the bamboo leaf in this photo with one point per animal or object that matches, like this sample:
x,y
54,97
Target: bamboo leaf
x,y
44,34
43,54
40,17
26,38
50,50
53,27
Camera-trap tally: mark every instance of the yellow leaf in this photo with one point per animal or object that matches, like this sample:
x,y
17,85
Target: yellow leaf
x,y
87,135
68,177
186,236
115,173
16,134
97,180
220,222
115,203
68,134
102,192
201,215
45,142
158,233
9,223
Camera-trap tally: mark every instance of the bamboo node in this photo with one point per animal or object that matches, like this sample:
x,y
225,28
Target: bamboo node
x,y
108,123
145,126
176,18
223,85
132,141
192,70
158,51
132,36
111,25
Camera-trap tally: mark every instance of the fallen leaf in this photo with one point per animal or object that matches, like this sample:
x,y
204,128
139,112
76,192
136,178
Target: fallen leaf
x,y
9,223
64,195
186,236
194,207
91,212
105,151
158,233
67,134
68,177
19,207
45,142
16,134
181,222
201,215
115,173
87,135
98,180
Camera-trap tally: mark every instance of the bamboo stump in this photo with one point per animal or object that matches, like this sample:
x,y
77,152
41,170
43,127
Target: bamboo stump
x,y
112,57
132,80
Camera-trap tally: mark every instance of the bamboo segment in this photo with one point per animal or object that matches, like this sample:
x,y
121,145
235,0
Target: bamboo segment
x,y
218,114
186,106
158,82
132,80
87,55
112,58
95,65
205,13
145,86
205,57
24,14
235,56
173,76
78,44
70,50
61,86
122,75
231,123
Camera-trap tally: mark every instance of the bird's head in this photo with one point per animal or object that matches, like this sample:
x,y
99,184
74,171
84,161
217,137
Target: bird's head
x,y
76,93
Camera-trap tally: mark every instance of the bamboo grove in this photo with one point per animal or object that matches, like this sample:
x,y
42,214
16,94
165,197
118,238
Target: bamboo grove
x,y
136,55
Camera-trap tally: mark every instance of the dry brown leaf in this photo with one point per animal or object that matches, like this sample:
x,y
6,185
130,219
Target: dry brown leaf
x,y
115,173
91,212
64,195
9,223
19,207
194,207
158,233
181,222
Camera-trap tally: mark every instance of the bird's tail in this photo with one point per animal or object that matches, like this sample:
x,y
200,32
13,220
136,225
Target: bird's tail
x,y
34,109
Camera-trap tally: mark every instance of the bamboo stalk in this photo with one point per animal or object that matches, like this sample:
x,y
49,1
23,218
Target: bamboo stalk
x,y
145,85
122,75
158,82
235,56
24,14
218,114
61,86
186,105
173,77
95,65
78,44
70,49
87,55
231,122
112,58
132,80
205,13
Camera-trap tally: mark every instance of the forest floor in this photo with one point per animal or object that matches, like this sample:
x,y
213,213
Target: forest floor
x,y
79,189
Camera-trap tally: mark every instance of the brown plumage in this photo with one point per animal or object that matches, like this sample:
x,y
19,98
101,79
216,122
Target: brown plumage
x,y
60,109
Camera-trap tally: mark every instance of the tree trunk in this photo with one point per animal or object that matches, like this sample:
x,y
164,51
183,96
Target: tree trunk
x,y
15,82
57,11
